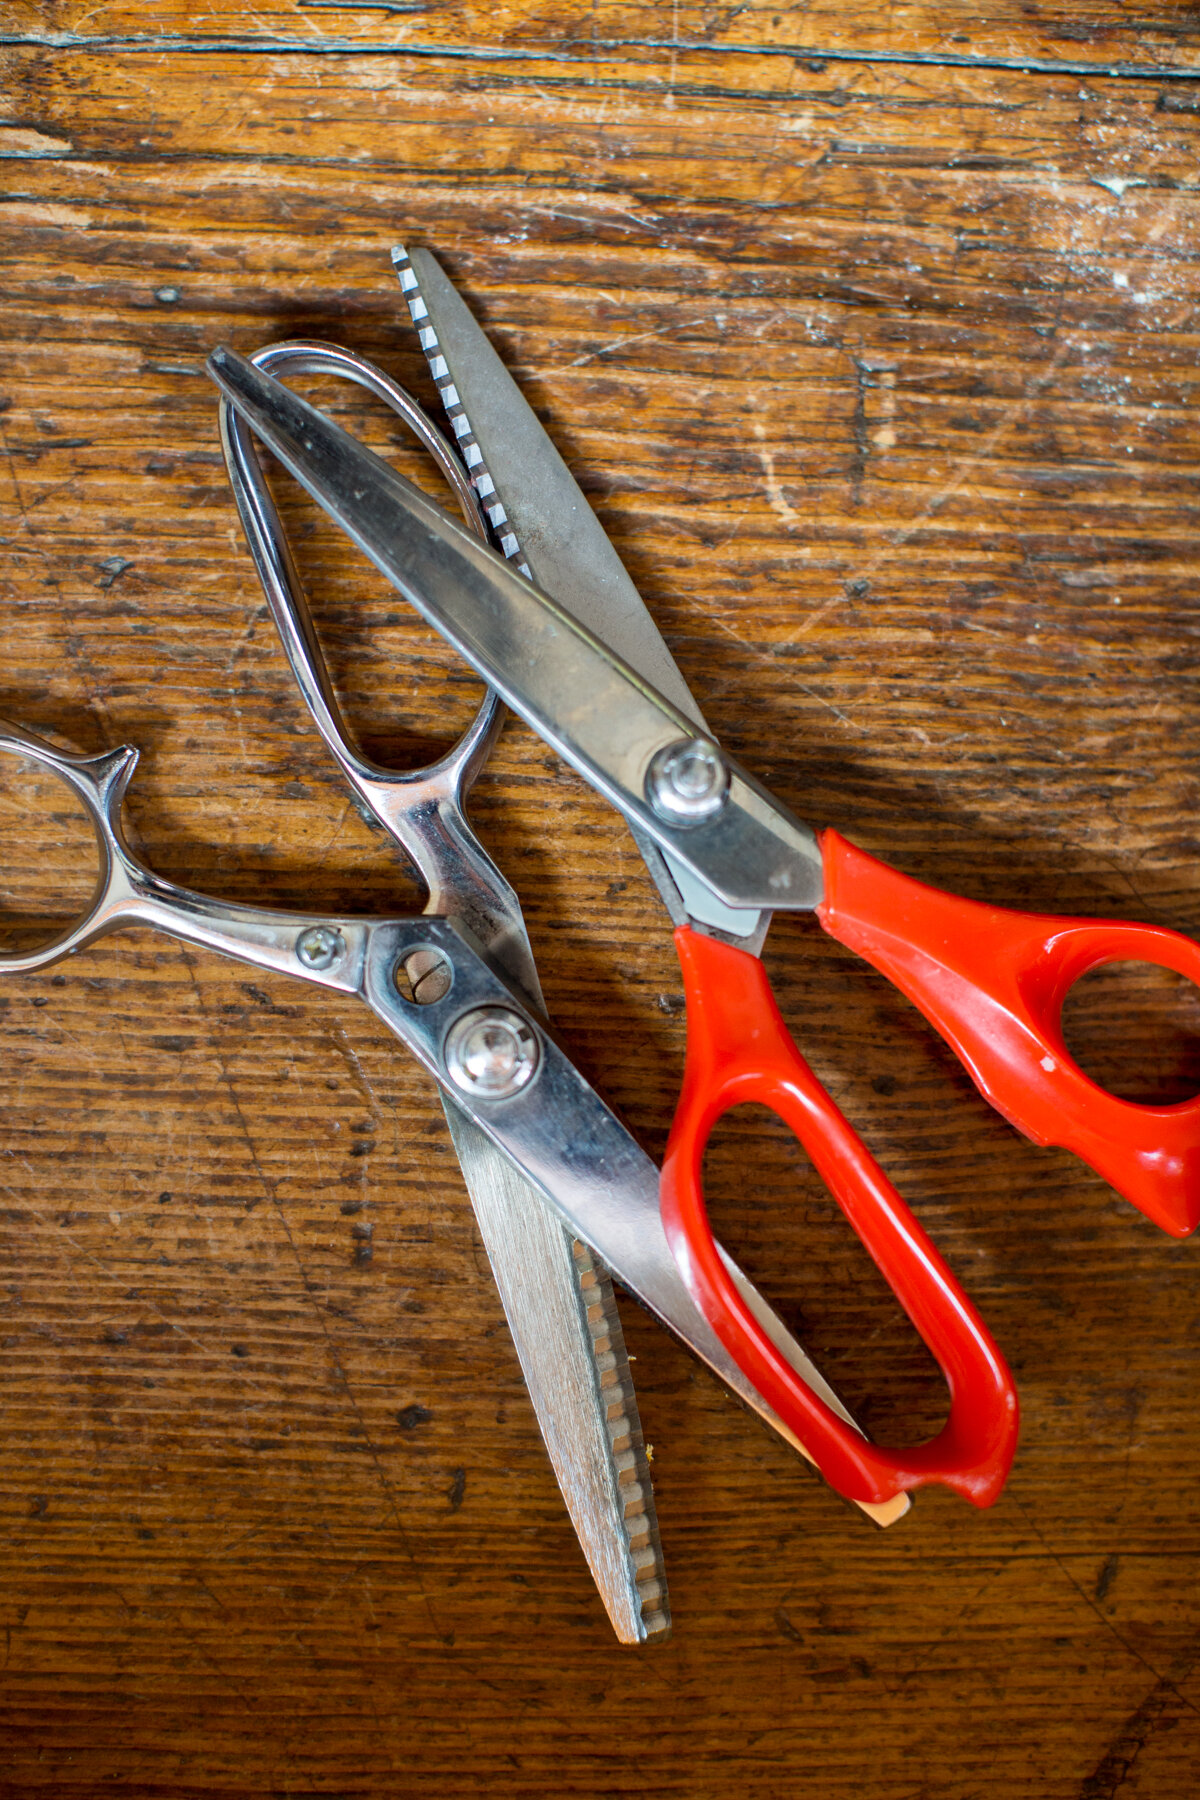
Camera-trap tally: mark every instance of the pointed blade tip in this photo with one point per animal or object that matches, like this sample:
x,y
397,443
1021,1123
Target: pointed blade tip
x,y
232,373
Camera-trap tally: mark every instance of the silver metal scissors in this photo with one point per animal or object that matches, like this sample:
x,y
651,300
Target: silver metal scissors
x,y
457,986
557,1298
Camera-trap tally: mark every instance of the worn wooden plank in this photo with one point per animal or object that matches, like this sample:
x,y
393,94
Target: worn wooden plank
x,y
668,47
882,379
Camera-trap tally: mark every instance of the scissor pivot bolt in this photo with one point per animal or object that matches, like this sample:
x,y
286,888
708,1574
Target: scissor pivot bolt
x,y
688,782
319,946
491,1053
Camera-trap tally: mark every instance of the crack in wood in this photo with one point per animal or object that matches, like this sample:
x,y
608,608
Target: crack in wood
x,y
583,51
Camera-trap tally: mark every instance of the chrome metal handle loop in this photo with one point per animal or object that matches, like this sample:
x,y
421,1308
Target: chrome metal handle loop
x,y
272,554
128,893
99,782
422,809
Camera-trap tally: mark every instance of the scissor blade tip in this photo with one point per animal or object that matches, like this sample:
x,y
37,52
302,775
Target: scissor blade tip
x,y
220,365
225,365
252,393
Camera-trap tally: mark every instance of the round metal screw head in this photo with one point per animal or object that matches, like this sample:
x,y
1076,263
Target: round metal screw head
x,y
491,1053
688,782
319,946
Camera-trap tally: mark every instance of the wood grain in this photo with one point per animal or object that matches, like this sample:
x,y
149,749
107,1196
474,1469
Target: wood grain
x,y
882,375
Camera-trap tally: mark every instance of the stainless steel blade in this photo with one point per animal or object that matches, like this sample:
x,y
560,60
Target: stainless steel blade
x,y
563,542
577,694
552,533
565,1328
567,1334
568,1337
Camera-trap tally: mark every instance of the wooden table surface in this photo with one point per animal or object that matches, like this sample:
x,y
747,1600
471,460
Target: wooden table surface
x,y
872,335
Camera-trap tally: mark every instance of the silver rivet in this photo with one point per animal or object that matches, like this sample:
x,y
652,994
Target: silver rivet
x,y
688,782
491,1053
319,946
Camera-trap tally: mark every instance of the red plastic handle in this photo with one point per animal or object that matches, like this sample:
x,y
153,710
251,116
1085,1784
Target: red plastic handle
x,y
993,983
739,1050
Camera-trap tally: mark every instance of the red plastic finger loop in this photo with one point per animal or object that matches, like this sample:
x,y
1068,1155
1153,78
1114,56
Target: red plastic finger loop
x,y
739,1050
993,983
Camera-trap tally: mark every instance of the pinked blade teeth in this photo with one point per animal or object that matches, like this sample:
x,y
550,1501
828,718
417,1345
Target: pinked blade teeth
x,y
499,524
568,1340
630,1454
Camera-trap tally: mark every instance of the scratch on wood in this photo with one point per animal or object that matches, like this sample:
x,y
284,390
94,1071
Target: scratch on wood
x,y
1158,1712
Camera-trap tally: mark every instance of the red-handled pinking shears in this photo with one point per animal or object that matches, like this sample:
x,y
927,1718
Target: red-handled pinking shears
x,y
589,672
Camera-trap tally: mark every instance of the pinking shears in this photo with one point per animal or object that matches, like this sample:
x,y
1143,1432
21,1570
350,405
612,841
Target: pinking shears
x,y
572,656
